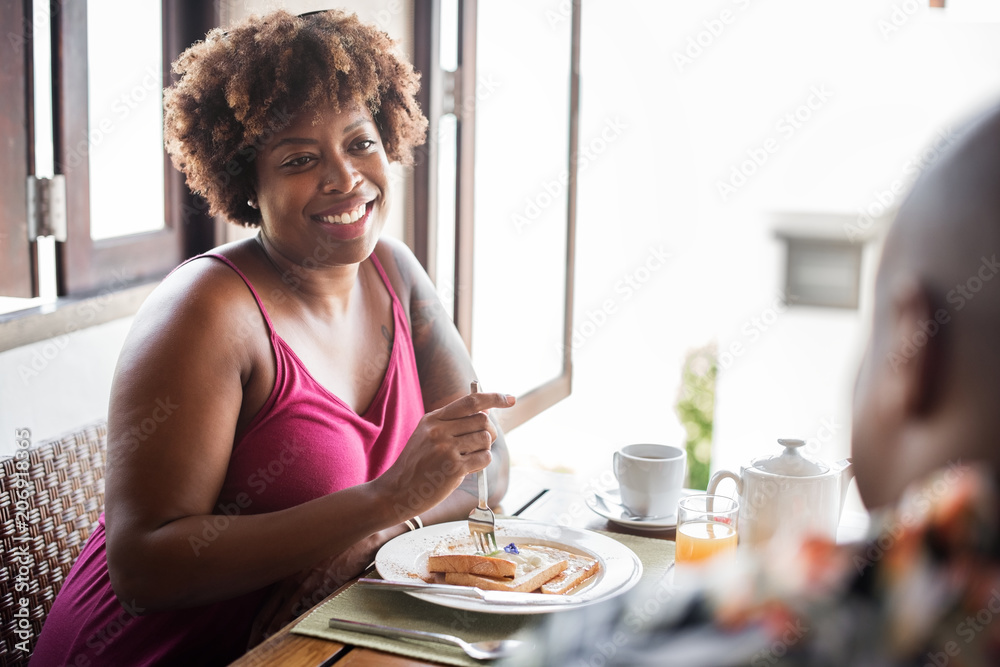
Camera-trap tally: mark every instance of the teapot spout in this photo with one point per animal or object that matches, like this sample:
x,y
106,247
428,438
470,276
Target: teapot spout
x,y
846,468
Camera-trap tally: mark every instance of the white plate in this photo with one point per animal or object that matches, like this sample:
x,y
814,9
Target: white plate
x,y
405,557
616,515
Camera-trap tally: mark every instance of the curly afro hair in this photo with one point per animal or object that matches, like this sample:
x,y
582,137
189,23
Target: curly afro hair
x,y
238,87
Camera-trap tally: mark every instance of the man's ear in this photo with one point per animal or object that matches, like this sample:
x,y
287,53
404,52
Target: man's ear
x,y
914,350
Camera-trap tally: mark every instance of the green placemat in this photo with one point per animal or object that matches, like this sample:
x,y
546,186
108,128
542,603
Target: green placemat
x,y
404,611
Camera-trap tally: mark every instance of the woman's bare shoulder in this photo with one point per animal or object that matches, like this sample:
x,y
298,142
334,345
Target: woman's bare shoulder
x,y
202,301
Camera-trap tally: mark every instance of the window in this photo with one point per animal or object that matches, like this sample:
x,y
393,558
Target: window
x,y
822,272
84,111
495,192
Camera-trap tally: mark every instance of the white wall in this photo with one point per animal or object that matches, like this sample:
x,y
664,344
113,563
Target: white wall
x,y
58,385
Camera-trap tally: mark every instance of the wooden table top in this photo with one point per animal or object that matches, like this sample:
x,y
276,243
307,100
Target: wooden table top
x,y
533,494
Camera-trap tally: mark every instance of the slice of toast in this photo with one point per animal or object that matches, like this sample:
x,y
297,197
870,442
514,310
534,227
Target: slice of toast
x,y
525,583
580,569
472,564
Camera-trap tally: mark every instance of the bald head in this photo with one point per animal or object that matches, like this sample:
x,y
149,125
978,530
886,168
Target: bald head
x,y
951,217
929,390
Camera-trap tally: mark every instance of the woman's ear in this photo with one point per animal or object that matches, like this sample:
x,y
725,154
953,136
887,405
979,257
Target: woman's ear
x,y
914,351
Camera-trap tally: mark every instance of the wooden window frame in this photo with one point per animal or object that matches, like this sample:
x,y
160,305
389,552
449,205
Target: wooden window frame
x,y
17,259
427,39
85,265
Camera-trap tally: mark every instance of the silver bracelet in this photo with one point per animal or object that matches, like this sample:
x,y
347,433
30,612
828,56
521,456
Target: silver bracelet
x,y
414,523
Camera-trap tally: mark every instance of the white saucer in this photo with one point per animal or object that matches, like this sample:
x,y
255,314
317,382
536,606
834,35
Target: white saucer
x,y
621,517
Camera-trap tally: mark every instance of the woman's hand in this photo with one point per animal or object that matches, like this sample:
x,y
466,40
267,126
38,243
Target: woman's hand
x,y
448,444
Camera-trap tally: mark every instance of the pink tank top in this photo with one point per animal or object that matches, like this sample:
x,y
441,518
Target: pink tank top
x,y
303,444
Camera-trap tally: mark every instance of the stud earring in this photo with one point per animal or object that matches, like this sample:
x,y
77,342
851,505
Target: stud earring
x,y
251,203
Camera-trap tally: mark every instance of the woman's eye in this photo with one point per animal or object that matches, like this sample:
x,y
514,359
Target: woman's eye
x,y
364,144
298,162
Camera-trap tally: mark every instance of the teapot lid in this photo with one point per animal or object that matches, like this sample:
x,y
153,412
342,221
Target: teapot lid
x,y
790,462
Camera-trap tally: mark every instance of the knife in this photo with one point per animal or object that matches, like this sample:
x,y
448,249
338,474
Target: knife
x,y
490,597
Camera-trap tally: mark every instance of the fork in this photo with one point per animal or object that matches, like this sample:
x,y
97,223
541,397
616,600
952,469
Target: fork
x,y
482,522
486,650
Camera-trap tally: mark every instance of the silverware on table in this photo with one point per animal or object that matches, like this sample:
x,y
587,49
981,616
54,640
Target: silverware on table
x,y
489,597
611,504
482,522
486,650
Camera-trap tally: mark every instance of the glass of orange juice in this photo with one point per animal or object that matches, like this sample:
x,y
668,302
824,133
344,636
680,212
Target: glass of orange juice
x,y
706,527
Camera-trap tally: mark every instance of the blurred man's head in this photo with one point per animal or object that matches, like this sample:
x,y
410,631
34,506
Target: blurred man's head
x,y
928,391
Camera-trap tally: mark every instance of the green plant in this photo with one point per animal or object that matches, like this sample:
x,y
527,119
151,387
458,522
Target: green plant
x,y
695,407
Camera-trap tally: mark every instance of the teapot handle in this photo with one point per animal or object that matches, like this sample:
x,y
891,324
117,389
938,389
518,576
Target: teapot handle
x,y
713,484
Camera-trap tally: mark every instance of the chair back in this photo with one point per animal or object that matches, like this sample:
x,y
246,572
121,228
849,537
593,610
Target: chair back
x,y
50,502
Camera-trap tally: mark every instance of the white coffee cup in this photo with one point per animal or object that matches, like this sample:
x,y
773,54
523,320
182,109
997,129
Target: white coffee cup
x,y
650,478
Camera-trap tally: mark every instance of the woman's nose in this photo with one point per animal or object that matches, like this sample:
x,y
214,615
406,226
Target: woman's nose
x,y
341,175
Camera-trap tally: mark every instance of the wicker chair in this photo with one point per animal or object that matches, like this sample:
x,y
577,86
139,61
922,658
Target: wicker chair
x,y
67,499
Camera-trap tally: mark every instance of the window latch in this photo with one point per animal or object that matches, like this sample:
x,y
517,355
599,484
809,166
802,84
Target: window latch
x,y
47,207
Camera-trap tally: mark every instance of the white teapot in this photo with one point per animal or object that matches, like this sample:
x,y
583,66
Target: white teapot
x,y
788,496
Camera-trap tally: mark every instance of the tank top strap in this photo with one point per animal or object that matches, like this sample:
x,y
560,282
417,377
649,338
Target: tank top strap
x,y
260,304
385,279
226,260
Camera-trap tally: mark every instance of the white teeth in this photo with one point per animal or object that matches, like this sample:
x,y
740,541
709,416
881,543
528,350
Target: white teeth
x,y
346,218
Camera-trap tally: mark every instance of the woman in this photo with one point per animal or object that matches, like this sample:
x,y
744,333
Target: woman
x,y
267,427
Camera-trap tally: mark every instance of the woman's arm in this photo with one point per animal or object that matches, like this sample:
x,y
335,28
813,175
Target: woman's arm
x,y
175,406
445,371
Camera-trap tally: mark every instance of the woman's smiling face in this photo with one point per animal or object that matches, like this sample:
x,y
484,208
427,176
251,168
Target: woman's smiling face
x,y
322,187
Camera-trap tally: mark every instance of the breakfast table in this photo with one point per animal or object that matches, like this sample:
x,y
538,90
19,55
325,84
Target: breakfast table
x,y
537,495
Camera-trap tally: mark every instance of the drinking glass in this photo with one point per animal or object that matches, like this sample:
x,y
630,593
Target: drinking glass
x,y
706,527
